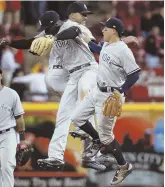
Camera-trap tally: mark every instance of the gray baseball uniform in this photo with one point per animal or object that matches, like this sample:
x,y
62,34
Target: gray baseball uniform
x,y
115,63
72,54
10,107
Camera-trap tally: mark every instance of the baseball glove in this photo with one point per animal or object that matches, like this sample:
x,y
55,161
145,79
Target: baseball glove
x,y
23,153
42,45
112,107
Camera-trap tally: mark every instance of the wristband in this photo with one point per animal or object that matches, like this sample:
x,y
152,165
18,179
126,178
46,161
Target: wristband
x,y
22,135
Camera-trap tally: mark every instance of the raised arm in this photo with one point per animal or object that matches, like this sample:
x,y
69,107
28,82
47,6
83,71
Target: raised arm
x,y
97,47
17,44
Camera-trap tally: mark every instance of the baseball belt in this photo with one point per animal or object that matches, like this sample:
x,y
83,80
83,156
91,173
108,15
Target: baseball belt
x,y
79,67
105,89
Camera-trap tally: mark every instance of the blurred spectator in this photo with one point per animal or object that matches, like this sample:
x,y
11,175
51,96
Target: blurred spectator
x,y
20,88
156,4
2,31
152,46
131,22
37,9
146,23
8,64
2,9
36,82
12,13
140,58
16,33
141,6
161,53
158,20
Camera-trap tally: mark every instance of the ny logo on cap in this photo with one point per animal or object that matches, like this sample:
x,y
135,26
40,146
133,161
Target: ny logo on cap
x,y
108,19
51,21
40,22
85,6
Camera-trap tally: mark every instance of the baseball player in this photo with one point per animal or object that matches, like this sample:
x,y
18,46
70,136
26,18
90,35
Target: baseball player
x,y
11,116
117,72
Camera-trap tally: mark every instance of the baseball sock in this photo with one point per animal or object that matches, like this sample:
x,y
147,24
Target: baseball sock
x,y
88,128
115,149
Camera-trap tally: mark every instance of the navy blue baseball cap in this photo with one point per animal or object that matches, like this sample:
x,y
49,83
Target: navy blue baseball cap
x,y
48,19
78,7
116,24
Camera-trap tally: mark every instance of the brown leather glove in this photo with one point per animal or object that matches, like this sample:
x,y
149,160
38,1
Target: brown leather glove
x,y
112,107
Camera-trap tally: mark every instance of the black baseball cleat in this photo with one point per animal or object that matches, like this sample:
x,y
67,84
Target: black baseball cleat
x,y
51,164
93,164
121,173
79,134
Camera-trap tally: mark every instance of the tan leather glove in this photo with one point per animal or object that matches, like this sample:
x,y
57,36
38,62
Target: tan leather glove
x,y
112,107
42,45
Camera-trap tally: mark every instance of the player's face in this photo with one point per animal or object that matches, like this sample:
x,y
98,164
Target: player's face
x,y
80,18
107,33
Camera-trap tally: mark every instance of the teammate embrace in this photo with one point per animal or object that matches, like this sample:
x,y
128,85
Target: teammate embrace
x,y
73,72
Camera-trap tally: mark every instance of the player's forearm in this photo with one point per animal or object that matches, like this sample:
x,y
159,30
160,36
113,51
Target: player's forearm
x,y
69,33
130,81
21,44
20,125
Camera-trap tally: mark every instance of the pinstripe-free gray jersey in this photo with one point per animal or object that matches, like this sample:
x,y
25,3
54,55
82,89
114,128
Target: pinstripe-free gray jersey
x,y
116,62
10,106
75,52
71,53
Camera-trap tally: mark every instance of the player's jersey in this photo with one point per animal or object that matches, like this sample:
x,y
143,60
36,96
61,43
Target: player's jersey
x,y
72,53
116,62
10,107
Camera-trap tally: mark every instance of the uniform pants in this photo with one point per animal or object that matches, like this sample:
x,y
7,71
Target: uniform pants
x,y
56,80
93,104
67,106
8,143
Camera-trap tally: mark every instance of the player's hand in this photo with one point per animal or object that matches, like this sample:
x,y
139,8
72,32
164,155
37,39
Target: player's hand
x,y
131,40
85,37
4,42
